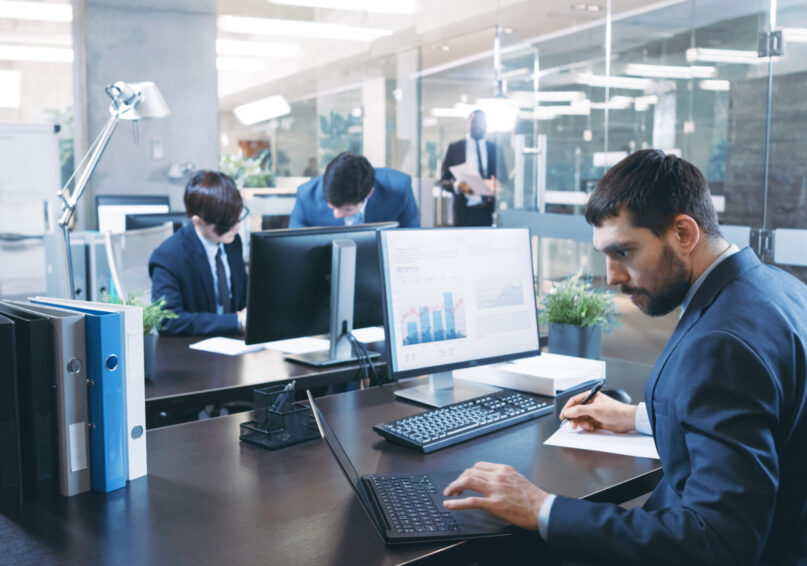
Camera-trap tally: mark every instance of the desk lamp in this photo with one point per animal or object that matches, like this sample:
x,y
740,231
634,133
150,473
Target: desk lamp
x,y
130,101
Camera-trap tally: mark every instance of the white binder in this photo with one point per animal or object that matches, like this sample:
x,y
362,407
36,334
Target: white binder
x,y
132,321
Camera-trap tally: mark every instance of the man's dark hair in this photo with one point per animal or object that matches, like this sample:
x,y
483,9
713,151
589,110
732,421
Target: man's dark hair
x,y
654,188
348,179
214,197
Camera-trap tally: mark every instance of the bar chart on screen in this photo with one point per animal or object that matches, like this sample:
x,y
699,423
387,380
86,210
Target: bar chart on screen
x,y
441,321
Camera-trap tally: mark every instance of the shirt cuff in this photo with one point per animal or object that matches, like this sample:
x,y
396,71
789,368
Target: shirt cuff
x,y
642,421
543,515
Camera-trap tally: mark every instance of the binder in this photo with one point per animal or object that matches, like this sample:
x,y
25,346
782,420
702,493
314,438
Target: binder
x,y
132,330
106,396
10,461
37,403
70,370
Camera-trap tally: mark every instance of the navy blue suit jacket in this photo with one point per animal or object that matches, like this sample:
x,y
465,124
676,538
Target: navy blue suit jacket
x,y
727,400
180,272
391,200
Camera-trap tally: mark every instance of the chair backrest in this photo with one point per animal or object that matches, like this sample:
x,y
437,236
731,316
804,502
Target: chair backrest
x,y
128,255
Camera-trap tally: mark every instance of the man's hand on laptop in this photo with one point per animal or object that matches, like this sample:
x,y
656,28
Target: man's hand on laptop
x,y
505,493
601,413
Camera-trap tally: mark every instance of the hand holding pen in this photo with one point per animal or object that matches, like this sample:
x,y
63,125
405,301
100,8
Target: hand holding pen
x,y
591,412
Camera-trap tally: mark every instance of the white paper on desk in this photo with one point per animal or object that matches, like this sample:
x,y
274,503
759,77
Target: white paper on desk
x,y
627,443
302,345
468,173
228,346
369,334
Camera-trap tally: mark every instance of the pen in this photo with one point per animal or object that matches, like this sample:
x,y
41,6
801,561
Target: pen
x,y
594,390
282,396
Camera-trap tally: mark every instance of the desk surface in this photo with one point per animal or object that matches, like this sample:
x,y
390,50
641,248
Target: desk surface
x,y
209,499
183,372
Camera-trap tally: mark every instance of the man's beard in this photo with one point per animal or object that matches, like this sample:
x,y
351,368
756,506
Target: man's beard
x,y
674,282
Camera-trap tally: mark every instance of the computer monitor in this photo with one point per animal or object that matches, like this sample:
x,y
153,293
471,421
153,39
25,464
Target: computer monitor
x,y
111,210
456,298
308,281
138,221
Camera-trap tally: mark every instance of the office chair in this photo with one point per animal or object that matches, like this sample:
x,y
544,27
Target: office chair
x,y
128,256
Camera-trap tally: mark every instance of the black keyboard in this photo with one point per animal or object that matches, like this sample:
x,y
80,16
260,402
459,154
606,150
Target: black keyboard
x,y
409,507
449,425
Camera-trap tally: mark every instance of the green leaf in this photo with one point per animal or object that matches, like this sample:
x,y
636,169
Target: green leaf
x,y
154,313
576,301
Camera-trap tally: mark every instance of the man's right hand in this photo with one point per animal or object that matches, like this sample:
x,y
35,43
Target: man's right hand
x,y
465,188
602,412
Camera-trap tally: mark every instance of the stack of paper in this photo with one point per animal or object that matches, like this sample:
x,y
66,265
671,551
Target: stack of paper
x,y
627,443
228,346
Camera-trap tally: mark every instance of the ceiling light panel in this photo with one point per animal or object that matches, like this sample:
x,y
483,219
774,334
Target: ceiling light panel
x,y
702,54
239,47
262,110
670,71
41,54
39,11
298,28
401,7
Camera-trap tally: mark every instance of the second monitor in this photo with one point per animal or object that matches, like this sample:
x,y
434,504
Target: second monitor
x,y
292,273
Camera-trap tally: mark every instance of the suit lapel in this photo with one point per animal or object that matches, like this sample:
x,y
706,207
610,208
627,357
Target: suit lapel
x,y
200,262
728,270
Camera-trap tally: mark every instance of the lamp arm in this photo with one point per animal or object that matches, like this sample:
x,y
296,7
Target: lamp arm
x,y
98,147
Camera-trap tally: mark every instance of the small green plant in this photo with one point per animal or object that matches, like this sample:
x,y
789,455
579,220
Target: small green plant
x,y
154,313
248,172
576,301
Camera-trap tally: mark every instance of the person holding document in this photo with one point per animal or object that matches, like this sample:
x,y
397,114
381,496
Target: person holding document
x,y
726,402
469,173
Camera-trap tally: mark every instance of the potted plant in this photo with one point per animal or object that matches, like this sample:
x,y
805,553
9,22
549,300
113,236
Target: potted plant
x,y
248,172
154,313
577,313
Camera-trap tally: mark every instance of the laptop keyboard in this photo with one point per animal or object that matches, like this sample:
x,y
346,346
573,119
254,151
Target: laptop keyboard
x,y
409,506
439,428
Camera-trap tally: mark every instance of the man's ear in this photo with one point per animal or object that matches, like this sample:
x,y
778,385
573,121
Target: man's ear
x,y
197,221
370,193
686,233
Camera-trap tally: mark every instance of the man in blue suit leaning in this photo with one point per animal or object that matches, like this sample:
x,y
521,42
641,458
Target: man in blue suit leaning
x,y
726,401
352,192
200,269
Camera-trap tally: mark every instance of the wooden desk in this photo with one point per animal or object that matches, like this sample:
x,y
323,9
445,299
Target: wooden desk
x,y
191,378
209,499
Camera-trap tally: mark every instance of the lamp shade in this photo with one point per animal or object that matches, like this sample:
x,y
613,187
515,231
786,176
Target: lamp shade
x,y
149,104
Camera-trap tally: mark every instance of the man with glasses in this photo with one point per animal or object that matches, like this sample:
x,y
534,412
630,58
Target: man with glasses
x,y
353,192
200,269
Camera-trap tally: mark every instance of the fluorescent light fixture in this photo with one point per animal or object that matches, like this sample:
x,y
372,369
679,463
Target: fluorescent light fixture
x,y
42,54
515,73
242,64
262,110
642,103
375,6
714,84
702,54
614,103
40,11
240,47
502,113
670,71
429,122
298,28
613,82
559,95
689,126
608,158
9,89
795,35
51,39
448,113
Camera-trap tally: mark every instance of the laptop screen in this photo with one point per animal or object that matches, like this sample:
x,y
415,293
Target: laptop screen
x,y
336,448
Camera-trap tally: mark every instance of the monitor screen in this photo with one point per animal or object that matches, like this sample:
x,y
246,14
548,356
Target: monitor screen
x,y
111,210
138,221
457,297
289,289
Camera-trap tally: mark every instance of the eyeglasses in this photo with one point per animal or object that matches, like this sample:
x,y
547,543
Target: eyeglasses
x,y
222,228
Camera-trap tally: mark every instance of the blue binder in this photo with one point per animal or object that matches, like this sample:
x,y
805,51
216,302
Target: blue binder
x,y
106,397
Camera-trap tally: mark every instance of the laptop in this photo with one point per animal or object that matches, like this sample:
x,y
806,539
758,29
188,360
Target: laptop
x,y
408,508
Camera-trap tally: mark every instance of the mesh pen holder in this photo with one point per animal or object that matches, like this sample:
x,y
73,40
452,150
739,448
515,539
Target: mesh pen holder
x,y
279,421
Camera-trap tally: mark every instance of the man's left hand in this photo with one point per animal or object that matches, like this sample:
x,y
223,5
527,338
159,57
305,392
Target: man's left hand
x,y
505,493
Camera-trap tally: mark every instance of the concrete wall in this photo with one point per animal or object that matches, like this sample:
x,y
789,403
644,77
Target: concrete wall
x,y
169,42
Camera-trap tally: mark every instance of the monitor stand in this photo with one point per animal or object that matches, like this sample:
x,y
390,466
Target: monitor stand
x,y
343,288
444,390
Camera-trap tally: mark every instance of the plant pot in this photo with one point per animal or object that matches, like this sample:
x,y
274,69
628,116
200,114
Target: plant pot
x,y
573,340
149,354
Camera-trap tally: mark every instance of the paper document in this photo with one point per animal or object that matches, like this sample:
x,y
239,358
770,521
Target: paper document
x,y
466,172
369,334
627,444
228,346
302,345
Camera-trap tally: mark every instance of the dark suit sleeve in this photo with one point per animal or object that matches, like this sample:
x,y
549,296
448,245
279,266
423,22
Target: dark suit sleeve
x,y
718,426
165,283
446,178
298,218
